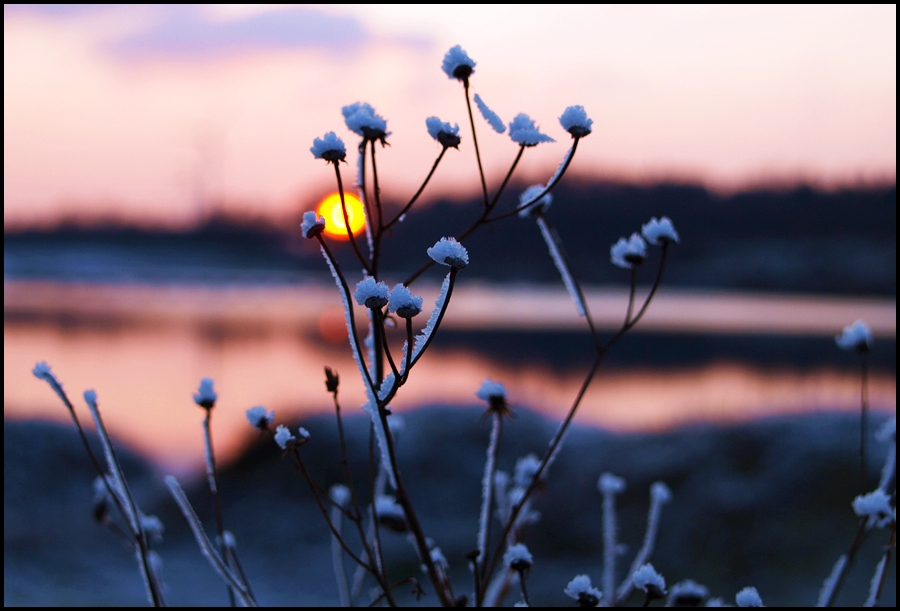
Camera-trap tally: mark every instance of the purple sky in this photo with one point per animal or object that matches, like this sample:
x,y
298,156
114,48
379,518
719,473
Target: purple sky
x,y
156,114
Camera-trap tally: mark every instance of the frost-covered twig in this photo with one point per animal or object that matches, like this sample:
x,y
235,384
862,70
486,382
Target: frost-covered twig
x,y
206,546
659,496
609,486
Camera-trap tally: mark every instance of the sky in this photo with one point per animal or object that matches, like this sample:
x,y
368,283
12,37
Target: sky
x,y
162,114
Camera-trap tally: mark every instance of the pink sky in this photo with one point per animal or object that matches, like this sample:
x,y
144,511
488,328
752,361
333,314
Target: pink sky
x,y
141,113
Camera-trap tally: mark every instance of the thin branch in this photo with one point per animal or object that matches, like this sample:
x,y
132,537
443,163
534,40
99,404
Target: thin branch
x,y
359,255
406,208
212,479
475,141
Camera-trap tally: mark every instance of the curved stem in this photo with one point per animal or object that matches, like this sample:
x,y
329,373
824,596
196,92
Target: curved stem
x,y
379,324
213,481
631,294
406,208
553,182
359,255
376,190
475,141
437,324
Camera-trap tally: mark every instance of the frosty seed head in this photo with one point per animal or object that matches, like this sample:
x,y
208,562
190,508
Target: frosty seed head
x,y
446,134
659,231
495,395
748,597
390,514
581,590
447,251
523,131
628,253
90,397
526,467
875,505
373,295
687,593
340,494
575,121
312,224
660,493
540,205
610,484
329,147
518,558
647,578
857,336
363,121
457,64
206,396
259,418
286,441
403,302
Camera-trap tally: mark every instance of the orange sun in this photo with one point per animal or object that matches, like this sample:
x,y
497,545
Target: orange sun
x,y
330,208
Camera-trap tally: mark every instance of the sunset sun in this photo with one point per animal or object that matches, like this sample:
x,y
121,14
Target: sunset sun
x,y
330,208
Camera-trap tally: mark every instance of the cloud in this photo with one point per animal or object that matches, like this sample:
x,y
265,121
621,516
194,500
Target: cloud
x,y
191,32
186,32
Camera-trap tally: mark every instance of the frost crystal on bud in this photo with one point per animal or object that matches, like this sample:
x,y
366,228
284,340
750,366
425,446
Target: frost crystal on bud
x,y
489,115
658,231
660,493
206,396
403,302
857,336
748,597
575,121
495,394
457,64
340,494
875,505
41,370
259,418
687,593
647,578
523,130
371,294
283,436
90,397
610,484
628,253
329,147
447,251
312,224
518,558
540,205
390,514
446,134
580,589
362,120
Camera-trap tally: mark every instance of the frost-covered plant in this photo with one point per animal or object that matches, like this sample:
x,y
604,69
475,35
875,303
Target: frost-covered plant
x,y
507,501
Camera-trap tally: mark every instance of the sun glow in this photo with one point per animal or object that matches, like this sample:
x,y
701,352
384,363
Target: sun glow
x,y
330,208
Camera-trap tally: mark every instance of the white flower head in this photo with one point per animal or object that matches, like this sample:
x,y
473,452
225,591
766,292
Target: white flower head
x,y
649,580
575,121
748,597
446,134
312,224
526,467
329,147
660,493
371,294
206,396
390,514
259,418
540,205
523,130
457,64
362,120
403,302
283,437
658,231
628,253
857,336
875,505
340,494
610,484
447,251
518,558
580,589
687,593
490,116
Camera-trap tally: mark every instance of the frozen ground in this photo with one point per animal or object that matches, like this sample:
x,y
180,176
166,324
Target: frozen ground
x,y
764,504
